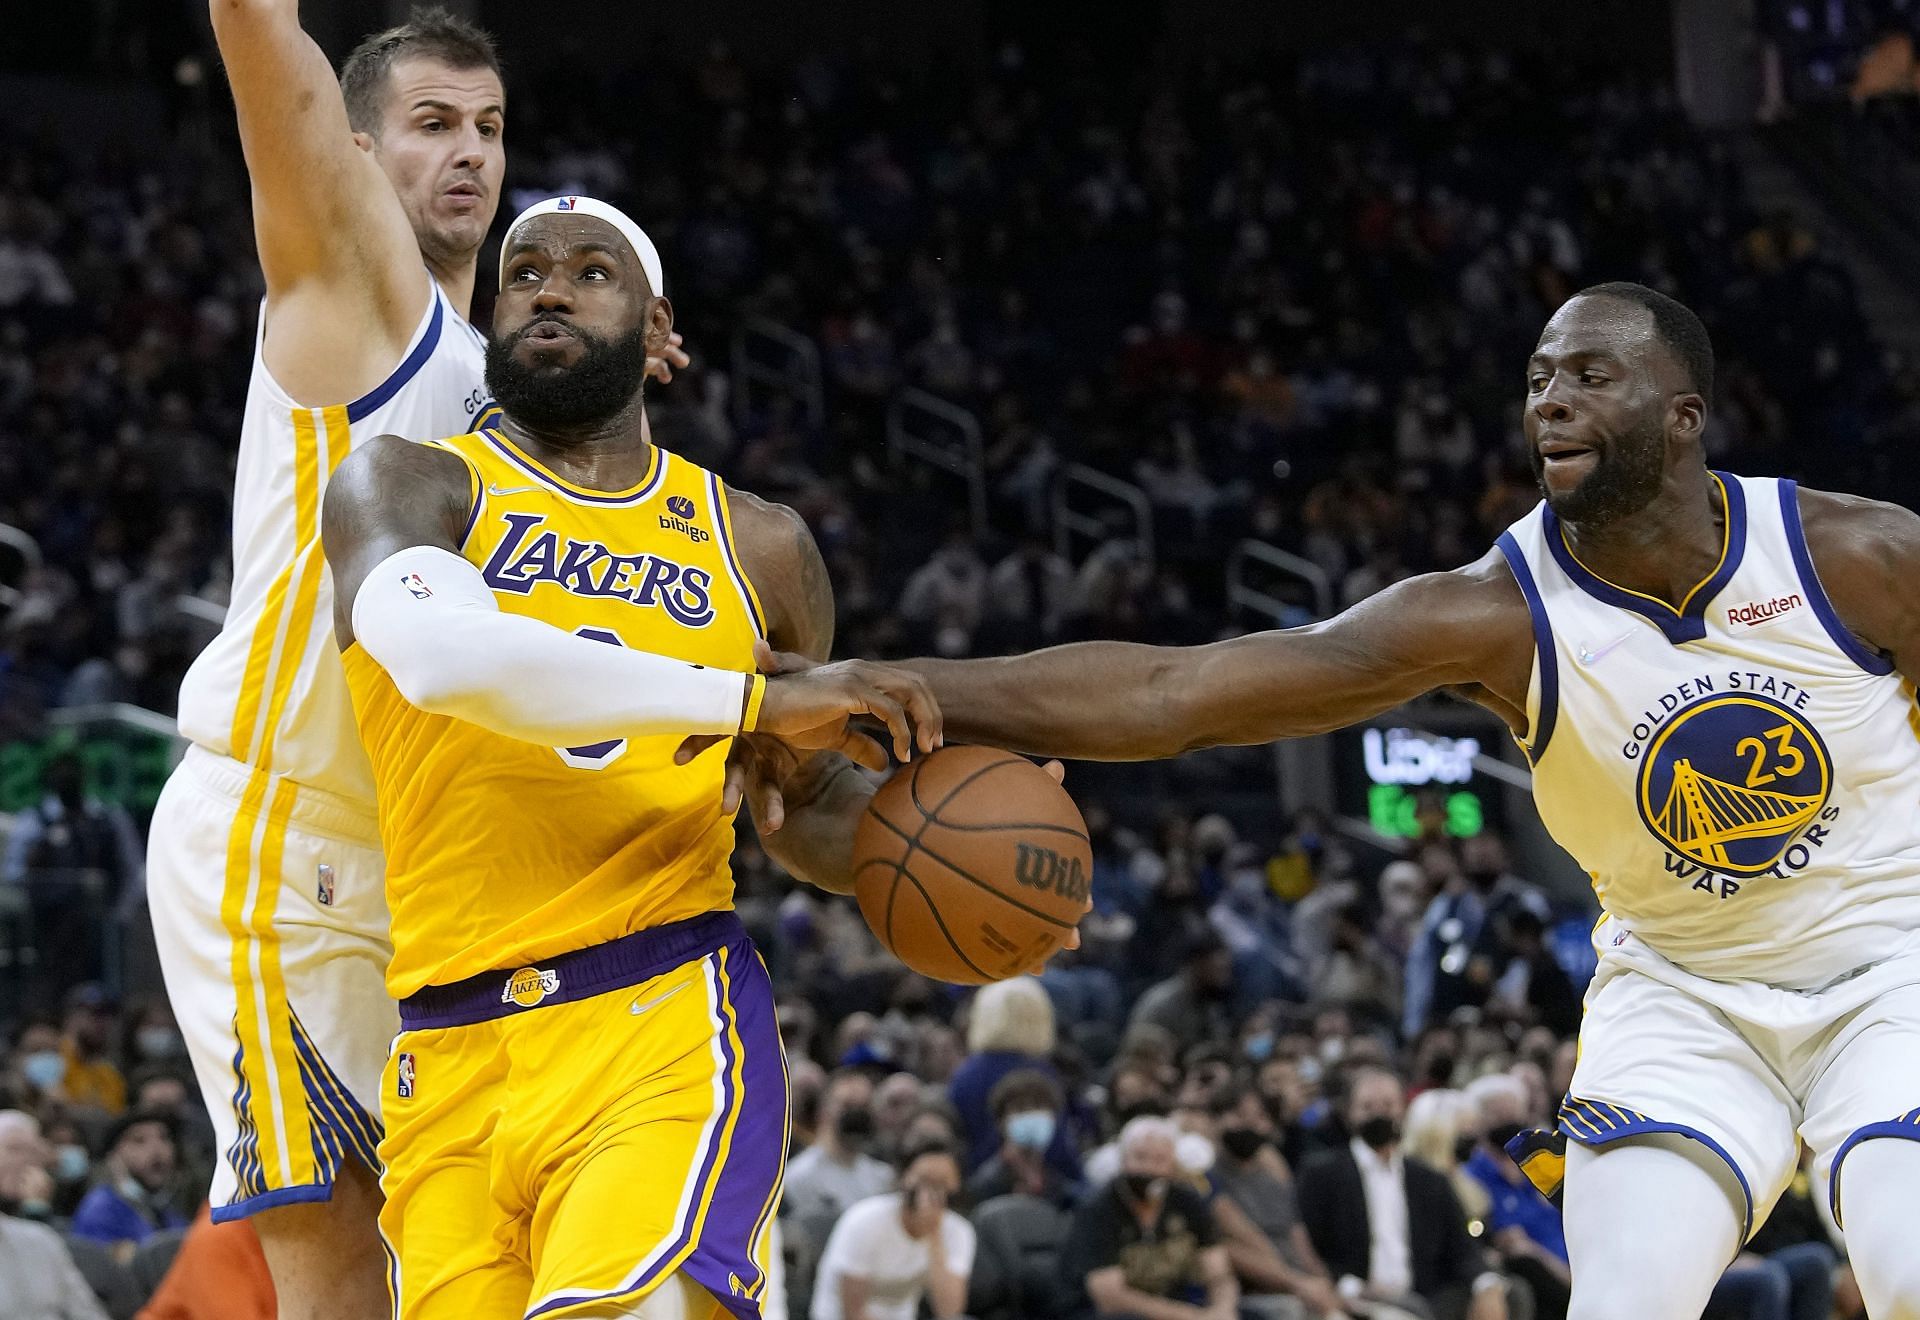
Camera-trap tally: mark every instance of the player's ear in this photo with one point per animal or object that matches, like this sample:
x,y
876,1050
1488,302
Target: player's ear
x,y
1687,416
364,141
659,326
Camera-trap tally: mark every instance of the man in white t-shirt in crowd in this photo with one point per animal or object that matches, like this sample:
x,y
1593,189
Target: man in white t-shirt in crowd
x,y
889,1251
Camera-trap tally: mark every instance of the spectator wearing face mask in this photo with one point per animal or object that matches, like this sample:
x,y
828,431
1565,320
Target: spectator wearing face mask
x,y
133,1199
72,1164
38,1279
832,1173
1259,1216
1027,1106
1010,1027
38,1065
1146,1244
153,1037
890,1251
1389,1228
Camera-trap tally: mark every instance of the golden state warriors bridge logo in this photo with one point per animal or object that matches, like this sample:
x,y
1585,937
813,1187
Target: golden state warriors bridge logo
x,y
1732,781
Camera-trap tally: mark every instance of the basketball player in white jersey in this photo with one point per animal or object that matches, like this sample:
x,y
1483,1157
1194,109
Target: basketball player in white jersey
x,y
1713,677
371,197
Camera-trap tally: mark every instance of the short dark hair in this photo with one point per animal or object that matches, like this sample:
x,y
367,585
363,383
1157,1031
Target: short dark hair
x,y
1022,1089
1226,1099
919,1150
1676,325
432,34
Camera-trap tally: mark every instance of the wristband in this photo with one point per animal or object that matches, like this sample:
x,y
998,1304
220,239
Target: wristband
x,y
756,694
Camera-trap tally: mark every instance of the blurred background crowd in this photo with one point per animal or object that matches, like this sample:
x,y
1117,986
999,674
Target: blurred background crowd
x,y
1037,342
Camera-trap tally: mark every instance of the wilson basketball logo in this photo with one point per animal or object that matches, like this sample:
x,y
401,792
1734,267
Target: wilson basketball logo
x,y
528,986
1045,869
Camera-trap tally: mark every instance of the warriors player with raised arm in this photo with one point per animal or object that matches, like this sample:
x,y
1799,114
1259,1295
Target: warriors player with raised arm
x,y
371,197
1713,677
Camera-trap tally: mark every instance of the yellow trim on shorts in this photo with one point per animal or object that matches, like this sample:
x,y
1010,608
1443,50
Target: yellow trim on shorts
x,y
263,1017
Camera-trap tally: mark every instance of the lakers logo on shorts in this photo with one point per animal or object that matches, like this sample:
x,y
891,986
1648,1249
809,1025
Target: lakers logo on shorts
x,y
528,986
1732,779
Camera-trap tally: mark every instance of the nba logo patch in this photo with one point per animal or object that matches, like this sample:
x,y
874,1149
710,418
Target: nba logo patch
x,y
420,590
567,203
325,886
403,1076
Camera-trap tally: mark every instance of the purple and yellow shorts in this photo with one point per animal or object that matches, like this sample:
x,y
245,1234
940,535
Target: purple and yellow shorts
x,y
570,1134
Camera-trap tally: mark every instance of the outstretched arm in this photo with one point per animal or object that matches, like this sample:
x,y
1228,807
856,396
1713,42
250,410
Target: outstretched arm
x,y
392,522
1114,701
322,207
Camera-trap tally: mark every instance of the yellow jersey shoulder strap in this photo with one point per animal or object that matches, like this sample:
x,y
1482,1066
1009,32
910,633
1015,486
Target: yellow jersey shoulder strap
x,y
704,489
453,445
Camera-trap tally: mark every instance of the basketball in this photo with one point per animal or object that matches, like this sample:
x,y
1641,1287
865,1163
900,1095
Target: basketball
x,y
972,865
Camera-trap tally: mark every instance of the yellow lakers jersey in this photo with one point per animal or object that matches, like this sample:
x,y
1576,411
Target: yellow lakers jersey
x,y
501,853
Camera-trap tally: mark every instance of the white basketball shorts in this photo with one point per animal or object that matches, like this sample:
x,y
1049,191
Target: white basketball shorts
x,y
269,908
1747,1069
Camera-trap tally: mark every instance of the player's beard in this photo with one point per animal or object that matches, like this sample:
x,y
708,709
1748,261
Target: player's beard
x,y
1626,477
590,391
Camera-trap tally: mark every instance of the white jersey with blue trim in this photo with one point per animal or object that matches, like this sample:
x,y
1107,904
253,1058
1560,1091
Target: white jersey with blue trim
x,y
1741,776
269,691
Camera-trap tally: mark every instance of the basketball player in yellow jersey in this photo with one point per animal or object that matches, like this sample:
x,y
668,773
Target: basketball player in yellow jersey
x,y
586,1105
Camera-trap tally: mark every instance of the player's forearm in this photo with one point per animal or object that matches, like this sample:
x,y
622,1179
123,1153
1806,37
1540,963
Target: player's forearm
x,y
824,801
1118,701
429,619
1094,701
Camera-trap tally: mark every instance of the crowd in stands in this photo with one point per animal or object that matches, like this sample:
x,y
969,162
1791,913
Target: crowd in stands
x,y
1289,306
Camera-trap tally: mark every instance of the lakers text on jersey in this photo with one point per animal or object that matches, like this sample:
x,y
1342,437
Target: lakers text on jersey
x,y
557,848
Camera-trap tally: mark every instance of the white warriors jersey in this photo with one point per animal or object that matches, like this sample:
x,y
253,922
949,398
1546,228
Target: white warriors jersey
x,y
269,690
1741,776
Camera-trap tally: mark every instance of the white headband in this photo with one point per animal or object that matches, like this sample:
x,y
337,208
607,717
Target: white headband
x,y
642,245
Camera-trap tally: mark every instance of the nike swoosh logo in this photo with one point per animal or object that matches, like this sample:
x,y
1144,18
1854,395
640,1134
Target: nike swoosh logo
x,y
509,490
1594,654
637,1007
